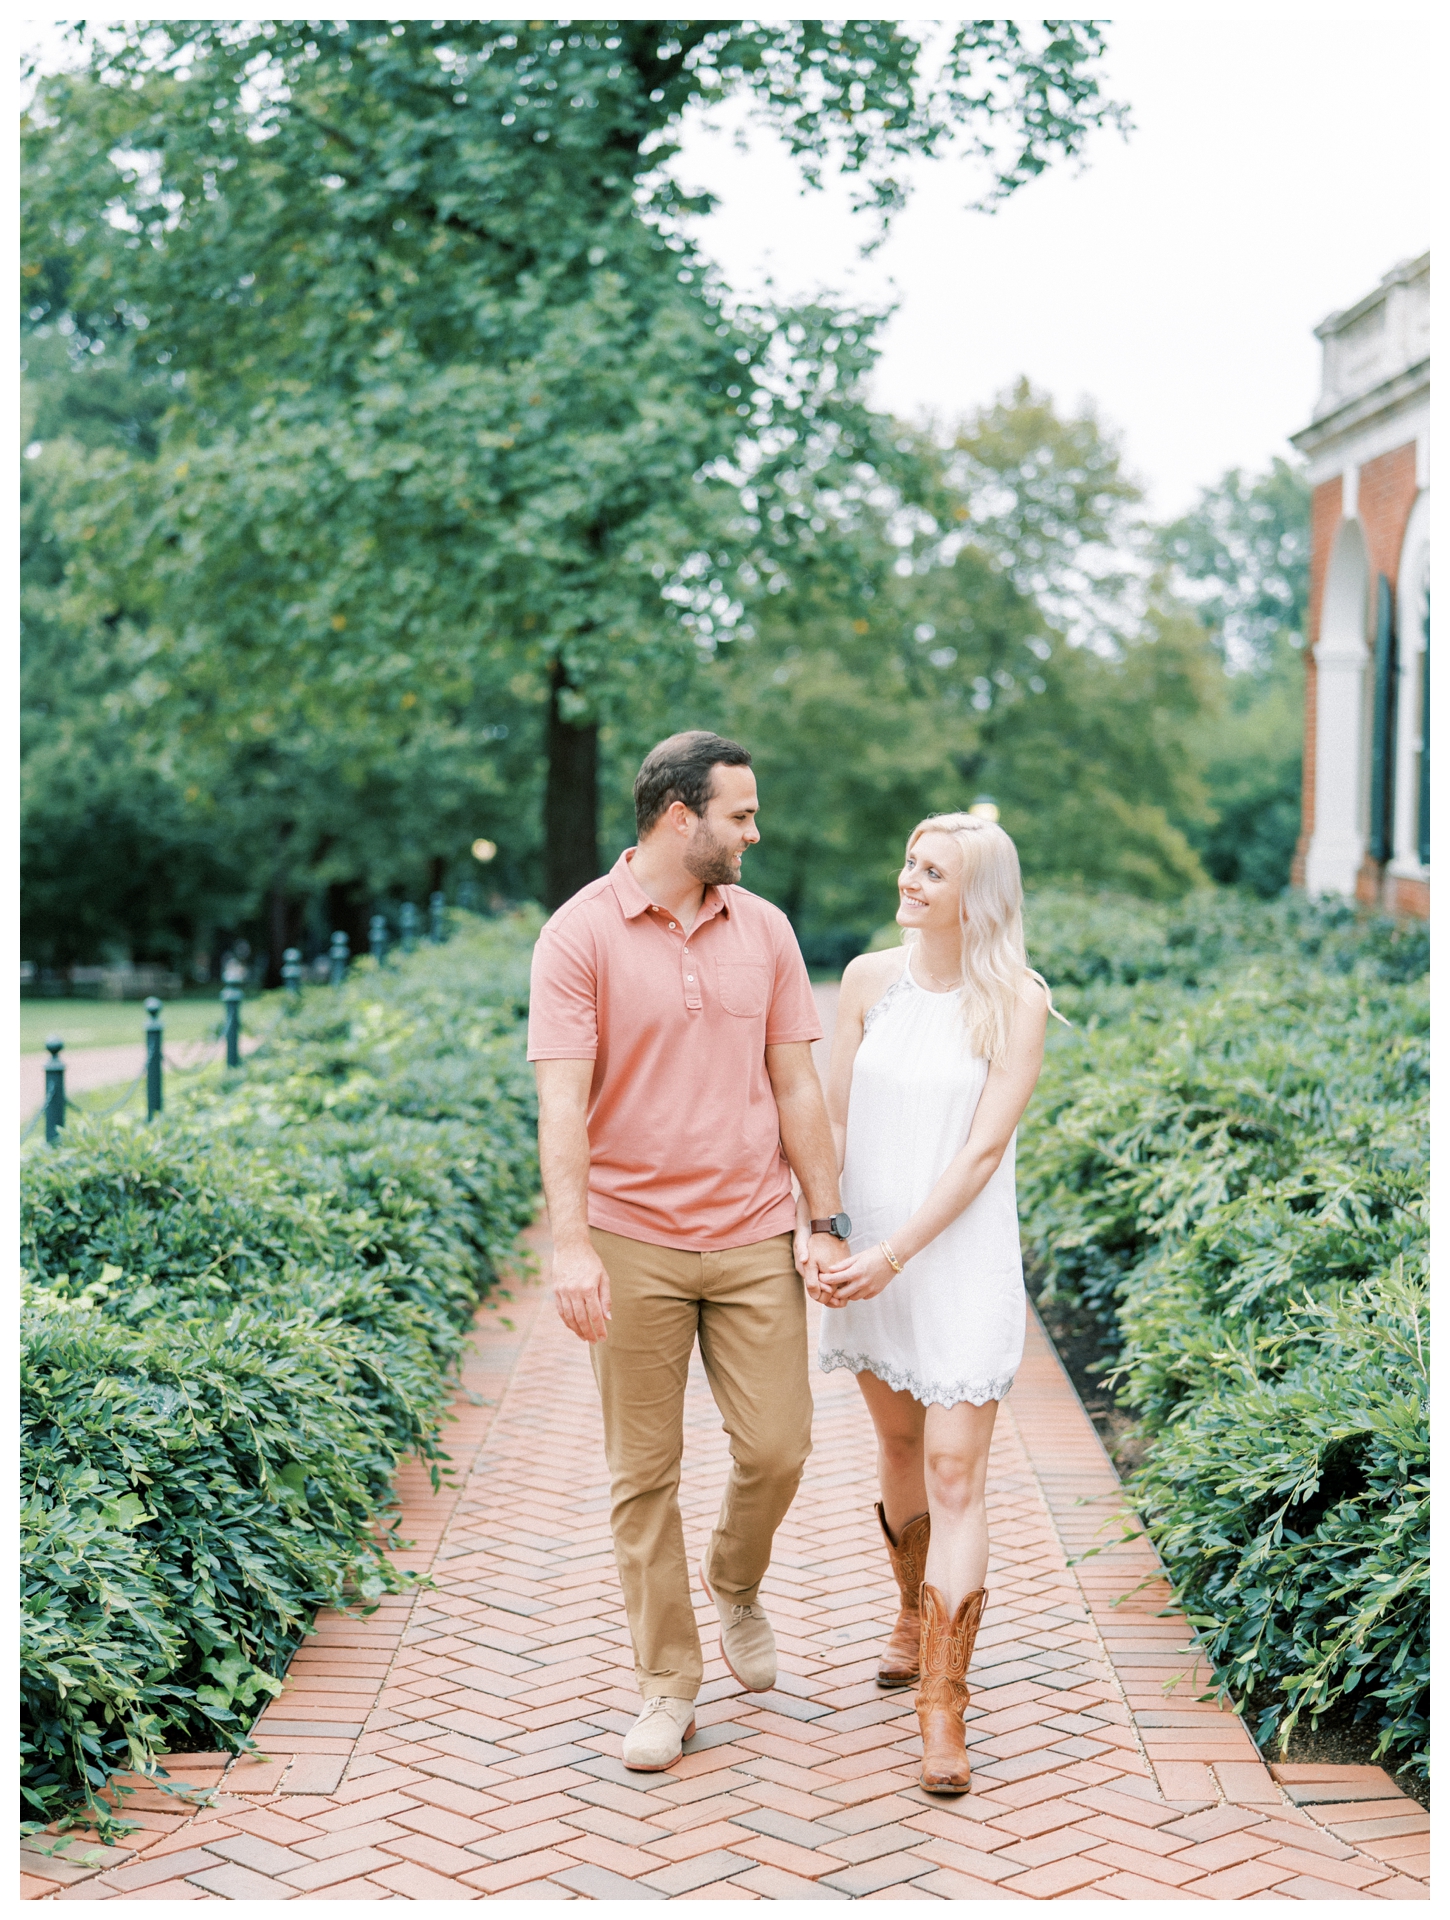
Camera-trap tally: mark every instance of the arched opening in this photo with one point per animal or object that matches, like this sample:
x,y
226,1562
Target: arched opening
x,y
1340,792
1412,622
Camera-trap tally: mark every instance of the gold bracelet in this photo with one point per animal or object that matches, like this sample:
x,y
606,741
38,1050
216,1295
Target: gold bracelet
x,y
891,1257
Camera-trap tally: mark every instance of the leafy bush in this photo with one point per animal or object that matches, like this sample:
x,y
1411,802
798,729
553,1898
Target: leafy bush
x,y
1292,1500
236,1323
1226,1164
1079,940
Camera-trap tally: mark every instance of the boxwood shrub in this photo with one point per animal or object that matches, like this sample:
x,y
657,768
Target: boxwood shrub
x,y
1226,1163
235,1323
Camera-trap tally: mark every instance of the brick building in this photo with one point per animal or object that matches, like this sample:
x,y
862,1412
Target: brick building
x,y
1366,809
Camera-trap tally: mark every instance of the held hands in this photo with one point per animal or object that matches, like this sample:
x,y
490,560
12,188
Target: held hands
x,y
581,1291
831,1274
857,1277
813,1251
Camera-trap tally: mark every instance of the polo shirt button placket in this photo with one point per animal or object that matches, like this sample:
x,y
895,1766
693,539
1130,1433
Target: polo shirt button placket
x,y
692,989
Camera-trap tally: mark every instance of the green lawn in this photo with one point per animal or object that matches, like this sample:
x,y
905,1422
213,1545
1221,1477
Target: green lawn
x,y
112,1023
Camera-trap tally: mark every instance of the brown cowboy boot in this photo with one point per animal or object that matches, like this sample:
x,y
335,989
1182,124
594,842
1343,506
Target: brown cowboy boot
x,y
941,1695
901,1658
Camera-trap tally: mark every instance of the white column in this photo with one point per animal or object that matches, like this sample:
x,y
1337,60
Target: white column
x,y
1337,848
1414,584
1338,843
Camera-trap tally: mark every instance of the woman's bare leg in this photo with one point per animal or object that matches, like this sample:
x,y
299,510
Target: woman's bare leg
x,y
899,1422
957,1441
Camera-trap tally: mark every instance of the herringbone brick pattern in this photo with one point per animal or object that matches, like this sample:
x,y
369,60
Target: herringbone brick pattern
x,y
463,1743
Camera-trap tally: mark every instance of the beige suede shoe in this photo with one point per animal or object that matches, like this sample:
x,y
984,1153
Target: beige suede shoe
x,y
655,1740
747,1644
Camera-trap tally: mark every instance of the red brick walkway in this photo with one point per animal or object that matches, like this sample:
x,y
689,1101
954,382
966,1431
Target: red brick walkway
x,y
464,1743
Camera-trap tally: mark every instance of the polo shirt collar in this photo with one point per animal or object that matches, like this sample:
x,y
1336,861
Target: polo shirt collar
x,y
634,901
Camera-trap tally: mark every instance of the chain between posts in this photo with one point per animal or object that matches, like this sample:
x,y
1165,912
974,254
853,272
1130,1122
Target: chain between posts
x,y
53,1110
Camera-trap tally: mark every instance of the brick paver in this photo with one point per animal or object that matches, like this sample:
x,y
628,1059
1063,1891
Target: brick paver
x,y
462,1743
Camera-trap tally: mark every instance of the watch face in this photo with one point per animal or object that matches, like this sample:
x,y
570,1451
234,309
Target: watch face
x,y
842,1224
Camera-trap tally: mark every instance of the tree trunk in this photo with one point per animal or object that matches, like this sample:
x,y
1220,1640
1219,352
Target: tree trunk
x,y
347,912
571,800
280,917
283,911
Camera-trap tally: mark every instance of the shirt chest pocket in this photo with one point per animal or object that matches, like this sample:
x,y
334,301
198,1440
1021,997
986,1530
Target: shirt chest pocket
x,y
744,988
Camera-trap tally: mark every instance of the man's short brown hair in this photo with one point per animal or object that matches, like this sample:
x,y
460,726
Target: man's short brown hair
x,y
682,768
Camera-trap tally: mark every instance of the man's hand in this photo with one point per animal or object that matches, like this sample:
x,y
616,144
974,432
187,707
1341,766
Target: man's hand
x,y
801,1240
821,1250
581,1291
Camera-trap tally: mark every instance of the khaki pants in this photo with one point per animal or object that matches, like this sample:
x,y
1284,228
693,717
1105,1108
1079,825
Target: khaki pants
x,y
747,1307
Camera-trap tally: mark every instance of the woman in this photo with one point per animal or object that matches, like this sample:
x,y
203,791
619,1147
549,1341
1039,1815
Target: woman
x,y
938,1047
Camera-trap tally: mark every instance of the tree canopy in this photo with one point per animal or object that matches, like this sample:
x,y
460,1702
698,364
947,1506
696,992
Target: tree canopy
x,y
404,467
454,397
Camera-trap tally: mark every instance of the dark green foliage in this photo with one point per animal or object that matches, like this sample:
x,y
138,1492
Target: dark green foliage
x,y
1293,1507
1227,1164
237,1323
1083,940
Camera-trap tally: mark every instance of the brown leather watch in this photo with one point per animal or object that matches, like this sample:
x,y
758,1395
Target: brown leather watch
x,y
838,1225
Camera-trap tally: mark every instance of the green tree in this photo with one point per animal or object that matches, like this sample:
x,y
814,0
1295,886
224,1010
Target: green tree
x,y
454,385
111,856
1243,549
153,826
1026,652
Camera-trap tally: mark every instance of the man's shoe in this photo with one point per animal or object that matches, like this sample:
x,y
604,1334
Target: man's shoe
x,y
747,1645
655,1740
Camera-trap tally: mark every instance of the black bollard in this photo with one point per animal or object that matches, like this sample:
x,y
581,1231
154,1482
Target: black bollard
x,y
408,925
292,972
337,959
153,1058
54,1088
378,939
437,919
232,1002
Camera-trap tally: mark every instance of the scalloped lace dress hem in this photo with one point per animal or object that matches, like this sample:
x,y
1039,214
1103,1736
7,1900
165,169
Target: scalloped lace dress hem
x,y
931,1393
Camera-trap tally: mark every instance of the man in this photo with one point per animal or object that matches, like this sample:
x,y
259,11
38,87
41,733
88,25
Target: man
x,y
670,1022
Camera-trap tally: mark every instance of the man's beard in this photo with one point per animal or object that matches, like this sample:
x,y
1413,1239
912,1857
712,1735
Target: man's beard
x,y
710,861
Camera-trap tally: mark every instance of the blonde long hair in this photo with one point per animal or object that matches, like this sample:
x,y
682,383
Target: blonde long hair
x,y
994,952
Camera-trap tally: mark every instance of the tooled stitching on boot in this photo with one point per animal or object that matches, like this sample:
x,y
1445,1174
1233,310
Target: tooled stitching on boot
x,y
947,1646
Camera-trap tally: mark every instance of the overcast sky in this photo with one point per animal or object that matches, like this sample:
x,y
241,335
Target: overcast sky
x,y
1277,171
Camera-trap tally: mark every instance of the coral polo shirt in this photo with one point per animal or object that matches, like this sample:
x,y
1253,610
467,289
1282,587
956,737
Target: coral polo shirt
x,y
684,1137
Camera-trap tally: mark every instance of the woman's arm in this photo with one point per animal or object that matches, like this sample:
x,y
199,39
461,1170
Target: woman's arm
x,y
862,984
1004,1100
860,988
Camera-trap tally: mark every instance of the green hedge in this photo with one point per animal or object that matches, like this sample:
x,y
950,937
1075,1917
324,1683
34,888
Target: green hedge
x,y
236,1323
1227,1164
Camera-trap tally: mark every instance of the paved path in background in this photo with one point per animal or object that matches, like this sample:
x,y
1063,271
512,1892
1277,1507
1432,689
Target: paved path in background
x,y
463,1743
89,1069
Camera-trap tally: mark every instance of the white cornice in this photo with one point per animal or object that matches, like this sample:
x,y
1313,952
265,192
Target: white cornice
x,y
1400,395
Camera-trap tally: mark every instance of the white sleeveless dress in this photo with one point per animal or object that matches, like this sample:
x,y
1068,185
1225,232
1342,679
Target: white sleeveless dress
x,y
950,1326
